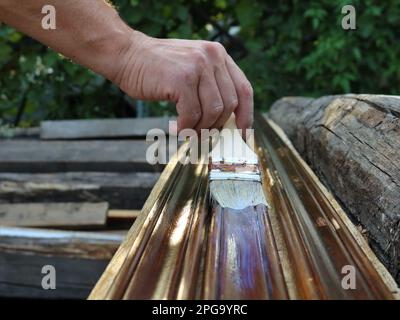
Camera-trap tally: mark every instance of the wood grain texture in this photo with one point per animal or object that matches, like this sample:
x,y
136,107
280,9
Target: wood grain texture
x,y
319,242
75,244
31,155
184,247
121,190
170,252
102,128
21,275
353,144
123,214
79,259
72,214
242,260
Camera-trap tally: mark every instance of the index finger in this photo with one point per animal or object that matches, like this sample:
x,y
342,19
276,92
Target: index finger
x,y
245,109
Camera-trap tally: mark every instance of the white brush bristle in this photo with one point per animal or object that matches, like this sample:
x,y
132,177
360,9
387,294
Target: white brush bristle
x,y
237,194
235,179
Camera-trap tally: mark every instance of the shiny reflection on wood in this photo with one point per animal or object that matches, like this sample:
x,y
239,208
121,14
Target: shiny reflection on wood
x,y
183,247
245,260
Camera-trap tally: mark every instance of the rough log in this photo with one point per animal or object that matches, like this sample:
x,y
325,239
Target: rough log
x,y
353,144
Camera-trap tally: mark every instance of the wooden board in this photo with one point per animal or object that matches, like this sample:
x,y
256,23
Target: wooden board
x,y
21,276
8,133
101,128
120,190
79,258
75,244
73,214
123,214
53,156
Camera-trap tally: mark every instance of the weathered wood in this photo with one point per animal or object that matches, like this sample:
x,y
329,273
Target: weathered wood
x,y
79,258
21,276
123,214
73,214
120,190
75,244
101,128
29,155
353,144
7,133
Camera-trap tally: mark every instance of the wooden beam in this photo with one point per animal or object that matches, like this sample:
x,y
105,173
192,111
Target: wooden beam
x,y
54,156
101,128
8,133
91,245
79,258
54,214
123,214
120,190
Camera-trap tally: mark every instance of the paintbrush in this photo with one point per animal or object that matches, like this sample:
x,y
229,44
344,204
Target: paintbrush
x,y
235,178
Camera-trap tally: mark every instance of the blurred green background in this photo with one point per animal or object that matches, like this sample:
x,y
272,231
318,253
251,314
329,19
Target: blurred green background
x,y
285,48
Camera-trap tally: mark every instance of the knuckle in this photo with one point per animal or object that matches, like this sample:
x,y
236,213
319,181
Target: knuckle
x,y
194,116
199,58
246,89
214,48
187,75
216,111
233,104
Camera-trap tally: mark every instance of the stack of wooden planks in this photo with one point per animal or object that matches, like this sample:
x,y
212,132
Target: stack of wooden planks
x,y
69,191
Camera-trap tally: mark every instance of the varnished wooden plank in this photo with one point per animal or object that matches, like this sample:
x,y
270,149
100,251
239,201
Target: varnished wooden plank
x,y
32,155
180,249
102,128
242,259
359,238
166,255
72,214
113,282
325,245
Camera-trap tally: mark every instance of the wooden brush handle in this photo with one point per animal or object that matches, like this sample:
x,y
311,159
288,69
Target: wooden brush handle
x,y
231,123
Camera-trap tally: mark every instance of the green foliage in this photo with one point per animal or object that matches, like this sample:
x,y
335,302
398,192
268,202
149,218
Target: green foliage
x,y
288,47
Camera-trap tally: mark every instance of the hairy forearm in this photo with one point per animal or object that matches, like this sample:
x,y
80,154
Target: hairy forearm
x,y
89,32
199,76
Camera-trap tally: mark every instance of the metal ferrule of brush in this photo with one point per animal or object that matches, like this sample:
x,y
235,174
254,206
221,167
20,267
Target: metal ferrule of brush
x,y
233,171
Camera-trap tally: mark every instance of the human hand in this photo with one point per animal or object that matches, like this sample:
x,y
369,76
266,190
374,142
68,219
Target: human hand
x,y
199,76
